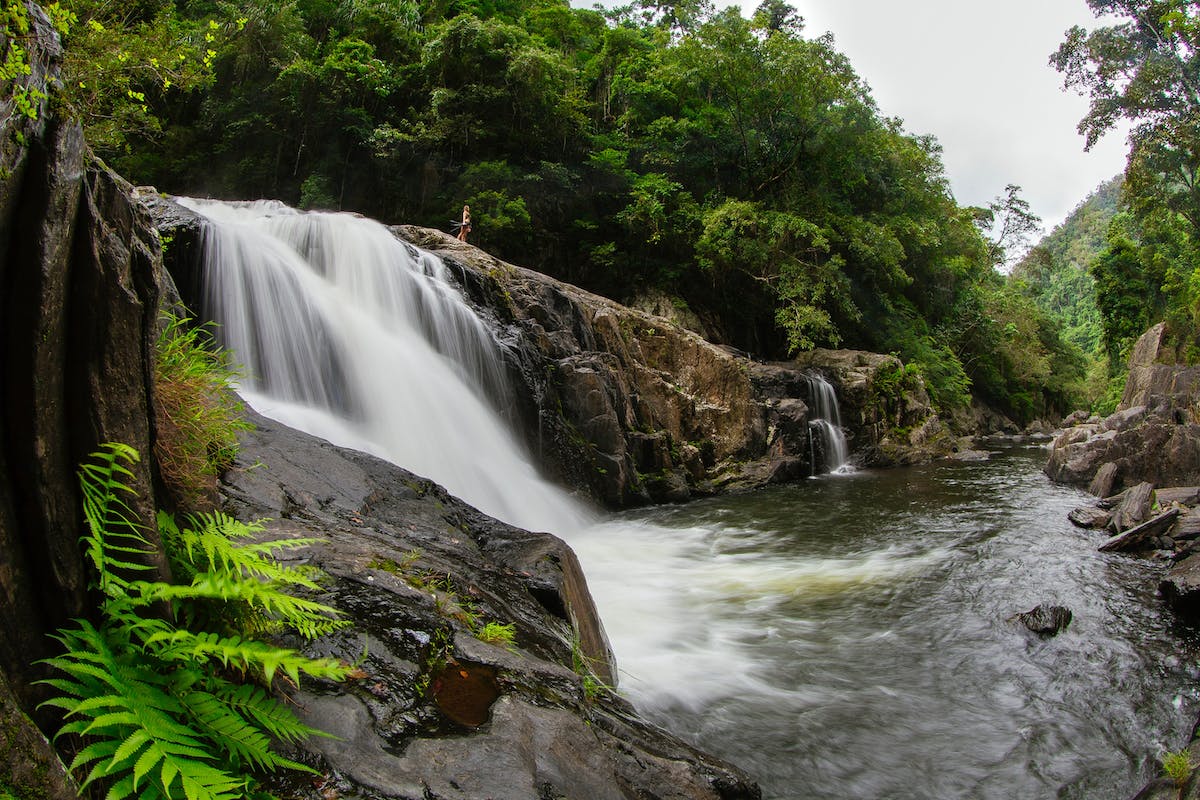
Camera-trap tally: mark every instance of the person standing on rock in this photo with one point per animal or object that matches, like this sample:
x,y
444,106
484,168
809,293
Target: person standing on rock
x,y
464,227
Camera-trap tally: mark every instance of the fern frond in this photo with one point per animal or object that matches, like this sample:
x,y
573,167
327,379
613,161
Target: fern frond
x,y
253,702
112,524
307,617
245,655
213,536
157,719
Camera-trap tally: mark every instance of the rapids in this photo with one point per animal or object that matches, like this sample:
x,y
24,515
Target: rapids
x,y
845,637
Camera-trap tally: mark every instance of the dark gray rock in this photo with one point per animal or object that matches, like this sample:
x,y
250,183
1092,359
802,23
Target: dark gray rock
x,y
1181,586
1105,479
1134,508
1046,620
437,712
80,269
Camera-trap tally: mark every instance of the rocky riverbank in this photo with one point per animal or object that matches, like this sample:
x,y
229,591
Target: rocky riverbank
x,y
440,708
1143,464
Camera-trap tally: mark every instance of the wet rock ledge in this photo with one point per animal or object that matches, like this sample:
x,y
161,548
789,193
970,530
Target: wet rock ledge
x,y
436,711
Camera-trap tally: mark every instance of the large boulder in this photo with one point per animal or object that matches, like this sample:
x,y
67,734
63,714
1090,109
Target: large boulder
x,y
436,711
1154,435
81,276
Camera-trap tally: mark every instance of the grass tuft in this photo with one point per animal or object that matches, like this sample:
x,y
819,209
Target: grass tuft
x,y
197,414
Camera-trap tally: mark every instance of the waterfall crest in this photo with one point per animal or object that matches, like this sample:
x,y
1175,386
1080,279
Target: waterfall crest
x,y
826,423
351,335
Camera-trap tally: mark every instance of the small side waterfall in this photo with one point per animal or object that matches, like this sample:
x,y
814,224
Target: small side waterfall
x,y
349,334
825,428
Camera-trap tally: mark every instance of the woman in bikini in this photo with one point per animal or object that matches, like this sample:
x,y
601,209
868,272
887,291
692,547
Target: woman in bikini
x,y
465,226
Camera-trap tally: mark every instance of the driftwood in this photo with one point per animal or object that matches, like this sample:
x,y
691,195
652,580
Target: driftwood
x,y
1183,495
1090,517
1132,538
1134,508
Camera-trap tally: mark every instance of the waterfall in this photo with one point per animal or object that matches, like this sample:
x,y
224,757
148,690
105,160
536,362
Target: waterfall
x,y
349,334
826,422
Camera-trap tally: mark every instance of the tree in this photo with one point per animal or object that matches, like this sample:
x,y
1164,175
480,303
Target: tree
x,y
1010,225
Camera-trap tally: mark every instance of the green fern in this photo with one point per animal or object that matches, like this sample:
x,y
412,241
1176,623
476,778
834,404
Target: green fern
x,y
154,702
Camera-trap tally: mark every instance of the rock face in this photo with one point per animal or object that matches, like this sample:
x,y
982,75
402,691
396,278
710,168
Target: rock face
x,y
636,408
633,408
1153,436
437,712
79,268
887,412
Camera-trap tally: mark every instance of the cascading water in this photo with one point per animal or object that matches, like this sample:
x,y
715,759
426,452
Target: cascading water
x,y
348,334
826,422
839,639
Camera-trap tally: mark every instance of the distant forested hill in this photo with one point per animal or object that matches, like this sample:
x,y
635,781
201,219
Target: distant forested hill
x,y
1056,270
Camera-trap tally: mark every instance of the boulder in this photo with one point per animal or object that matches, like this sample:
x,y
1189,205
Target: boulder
x,y
436,711
1090,517
1153,436
1104,480
1134,508
1046,620
1181,586
82,283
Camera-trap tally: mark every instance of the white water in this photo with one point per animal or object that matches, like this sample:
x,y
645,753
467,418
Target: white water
x,y
844,638
348,334
352,336
827,422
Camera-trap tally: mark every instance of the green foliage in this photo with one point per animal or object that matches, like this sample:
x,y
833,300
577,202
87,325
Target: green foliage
x,y
124,59
157,704
196,412
733,163
14,59
497,633
593,687
1055,274
1141,68
1177,766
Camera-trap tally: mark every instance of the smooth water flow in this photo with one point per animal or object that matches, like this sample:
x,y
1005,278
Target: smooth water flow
x,y
349,334
826,422
840,638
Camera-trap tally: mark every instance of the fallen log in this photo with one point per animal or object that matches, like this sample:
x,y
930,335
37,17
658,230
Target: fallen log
x,y
1130,539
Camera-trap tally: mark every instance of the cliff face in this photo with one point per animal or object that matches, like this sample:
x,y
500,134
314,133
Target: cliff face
x,y
1153,436
79,295
636,409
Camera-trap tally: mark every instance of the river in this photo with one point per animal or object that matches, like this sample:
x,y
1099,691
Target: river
x,y
851,636
848,636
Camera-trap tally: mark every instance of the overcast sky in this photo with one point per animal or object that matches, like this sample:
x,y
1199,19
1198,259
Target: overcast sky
x,y
976,75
